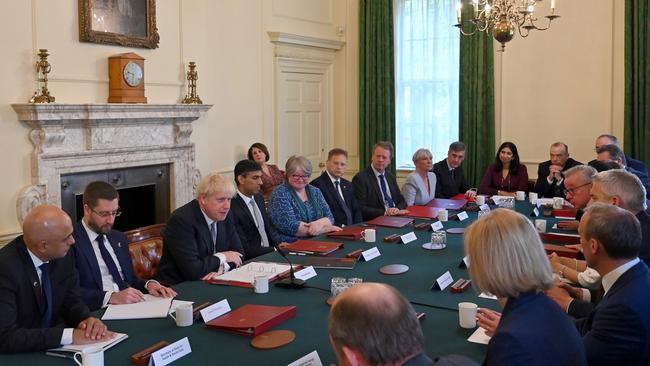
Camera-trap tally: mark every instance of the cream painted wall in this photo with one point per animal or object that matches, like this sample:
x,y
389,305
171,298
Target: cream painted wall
x,y
227,38
563,84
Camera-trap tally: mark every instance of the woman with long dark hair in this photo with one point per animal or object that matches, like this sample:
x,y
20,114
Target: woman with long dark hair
x,y
506,175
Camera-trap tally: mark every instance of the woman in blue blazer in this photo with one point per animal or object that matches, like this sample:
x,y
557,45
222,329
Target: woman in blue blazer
x,y
507,259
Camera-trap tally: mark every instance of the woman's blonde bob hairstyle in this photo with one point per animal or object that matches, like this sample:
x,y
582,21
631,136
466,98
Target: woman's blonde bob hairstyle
x,y
506,256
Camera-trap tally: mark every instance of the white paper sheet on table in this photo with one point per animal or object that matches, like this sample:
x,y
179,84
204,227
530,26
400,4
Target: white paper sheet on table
x,y
119,337
486,296
177,303
151,307
479,336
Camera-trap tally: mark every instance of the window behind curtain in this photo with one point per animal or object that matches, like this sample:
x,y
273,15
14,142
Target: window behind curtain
x,y
426,78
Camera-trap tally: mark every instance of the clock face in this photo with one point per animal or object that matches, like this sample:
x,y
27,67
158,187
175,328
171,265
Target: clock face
x,y
133,74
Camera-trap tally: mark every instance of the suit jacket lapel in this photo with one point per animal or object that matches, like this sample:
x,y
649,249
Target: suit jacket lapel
x,y
32,276
244,208
85,247
375,185
202,228
116,244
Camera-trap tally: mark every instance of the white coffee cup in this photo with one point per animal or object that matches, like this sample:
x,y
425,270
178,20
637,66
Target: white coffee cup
x,y
369,235
480,200
443,215
90,357
520,195
184,315
532,197
467,314
558,202
540,225
261,284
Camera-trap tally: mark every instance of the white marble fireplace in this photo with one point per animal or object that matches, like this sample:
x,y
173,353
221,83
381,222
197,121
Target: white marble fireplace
x,y
74,138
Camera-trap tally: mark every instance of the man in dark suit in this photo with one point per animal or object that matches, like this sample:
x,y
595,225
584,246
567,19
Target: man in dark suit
x,y
40,304
248,211
449,173
376,189
614,153
550,178
200,241
102,254
617,331
373,324
607,139
338,191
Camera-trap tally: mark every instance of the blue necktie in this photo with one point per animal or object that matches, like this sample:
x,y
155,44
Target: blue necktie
x,y
112,268
46,285
384,191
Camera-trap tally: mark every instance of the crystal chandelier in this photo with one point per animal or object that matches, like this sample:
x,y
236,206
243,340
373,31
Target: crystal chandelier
x,y
502,18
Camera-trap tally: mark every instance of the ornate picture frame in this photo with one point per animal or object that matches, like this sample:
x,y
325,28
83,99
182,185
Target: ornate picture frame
x,y
130,23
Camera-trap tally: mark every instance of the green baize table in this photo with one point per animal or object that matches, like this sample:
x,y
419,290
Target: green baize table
x,y
442,333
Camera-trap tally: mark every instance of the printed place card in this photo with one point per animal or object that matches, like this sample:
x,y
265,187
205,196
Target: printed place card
x,y
462,216
407,238
484,207
370,254
171,353
464,263
311,359
536,211
443,281
437,226
215,310
306,273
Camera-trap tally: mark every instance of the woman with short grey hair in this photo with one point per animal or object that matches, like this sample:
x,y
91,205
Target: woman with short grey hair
x,y
298,209
420,186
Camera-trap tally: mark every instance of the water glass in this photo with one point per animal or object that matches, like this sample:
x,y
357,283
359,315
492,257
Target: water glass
x,y
439,238
337,285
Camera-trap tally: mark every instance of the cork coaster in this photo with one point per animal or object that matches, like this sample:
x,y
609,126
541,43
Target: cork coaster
x,y
273,339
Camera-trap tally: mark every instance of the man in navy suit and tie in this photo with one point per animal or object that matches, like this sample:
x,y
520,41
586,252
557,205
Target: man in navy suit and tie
x,y
376,189
102,254
338,191
40,304
249,212
449,173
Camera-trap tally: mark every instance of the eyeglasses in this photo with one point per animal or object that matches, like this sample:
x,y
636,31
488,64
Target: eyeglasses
x,y
299,177
573,190
105,214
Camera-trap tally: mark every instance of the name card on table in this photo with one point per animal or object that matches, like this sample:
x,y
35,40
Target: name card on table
x,y
407,238
464,263
311,359
484,207
370,254
305,274
215,310
442,282
171,353
437,226
462,216
535,212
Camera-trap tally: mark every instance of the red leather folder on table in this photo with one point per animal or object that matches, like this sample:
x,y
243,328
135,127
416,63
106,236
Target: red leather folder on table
x,y
424,212
569,213
447,204
560,238
348,233
461,196
391,221
252,320
312,247
562,251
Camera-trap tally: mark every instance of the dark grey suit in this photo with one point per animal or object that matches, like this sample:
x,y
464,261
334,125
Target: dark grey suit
x,y
324,183
369,196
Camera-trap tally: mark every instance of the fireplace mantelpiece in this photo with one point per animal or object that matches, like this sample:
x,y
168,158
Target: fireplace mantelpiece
x,y
71,138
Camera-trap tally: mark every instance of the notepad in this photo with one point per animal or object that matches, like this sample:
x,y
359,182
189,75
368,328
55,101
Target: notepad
x,y
244,276
119,337
152,307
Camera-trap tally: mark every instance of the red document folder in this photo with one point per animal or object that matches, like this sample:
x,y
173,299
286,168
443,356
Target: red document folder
x,y
424,212
560,238
561,250
252,320
390,221
348,233
447,204
312,247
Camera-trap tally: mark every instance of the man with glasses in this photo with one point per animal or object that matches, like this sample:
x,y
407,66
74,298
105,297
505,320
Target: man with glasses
x,y
550,174
577,183
102,254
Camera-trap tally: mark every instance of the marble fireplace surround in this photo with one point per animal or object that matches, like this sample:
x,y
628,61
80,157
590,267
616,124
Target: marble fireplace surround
x,y
74,138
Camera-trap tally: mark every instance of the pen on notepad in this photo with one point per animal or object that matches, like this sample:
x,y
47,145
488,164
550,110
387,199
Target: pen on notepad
x,y
294,253
56,354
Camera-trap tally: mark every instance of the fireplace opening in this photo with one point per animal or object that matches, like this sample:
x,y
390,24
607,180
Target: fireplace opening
x,y
144,194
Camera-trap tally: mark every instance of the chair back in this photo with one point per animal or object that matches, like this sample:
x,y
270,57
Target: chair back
x,y
145,246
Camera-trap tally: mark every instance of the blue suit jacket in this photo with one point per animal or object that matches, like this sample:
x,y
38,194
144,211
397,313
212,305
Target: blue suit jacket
x,y
247,229
188,252
369,196
324,183
617,332
90,278
535,331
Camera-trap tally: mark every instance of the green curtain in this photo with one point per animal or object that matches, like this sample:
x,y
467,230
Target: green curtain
x,y
376,77
476,104
637,79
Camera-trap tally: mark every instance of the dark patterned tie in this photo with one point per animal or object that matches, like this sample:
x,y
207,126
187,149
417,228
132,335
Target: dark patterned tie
x,y
46,285
341,201
384,191
112,268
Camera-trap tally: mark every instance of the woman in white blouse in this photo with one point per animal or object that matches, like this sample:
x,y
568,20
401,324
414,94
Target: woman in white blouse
x,y
420,186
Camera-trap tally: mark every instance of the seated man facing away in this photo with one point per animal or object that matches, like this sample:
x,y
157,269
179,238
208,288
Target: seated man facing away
x,y
373,324
375,189
248,211
550,177
102,255
39,299
200,241
337,190
449,173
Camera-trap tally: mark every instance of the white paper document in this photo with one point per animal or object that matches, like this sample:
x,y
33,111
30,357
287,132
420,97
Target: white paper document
x,y
249,271
479,336
151,307
119,337
486,296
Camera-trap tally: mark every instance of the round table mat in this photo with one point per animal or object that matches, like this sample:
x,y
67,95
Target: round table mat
x,y
273,339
